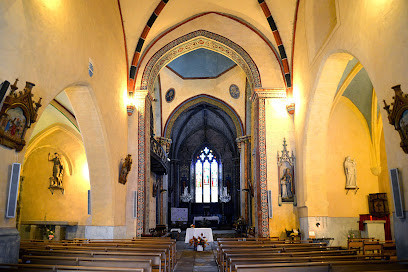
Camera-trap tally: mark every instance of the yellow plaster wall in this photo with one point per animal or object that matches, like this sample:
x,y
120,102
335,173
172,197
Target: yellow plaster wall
x,y
37,201
384,183
279,125
354,35
348,135
50,43
217,87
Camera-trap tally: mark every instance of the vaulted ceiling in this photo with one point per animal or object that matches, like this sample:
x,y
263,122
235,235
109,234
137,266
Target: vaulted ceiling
x,y
203,123
136,15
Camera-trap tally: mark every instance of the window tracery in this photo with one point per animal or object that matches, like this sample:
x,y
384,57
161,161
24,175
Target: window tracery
x,y
206,177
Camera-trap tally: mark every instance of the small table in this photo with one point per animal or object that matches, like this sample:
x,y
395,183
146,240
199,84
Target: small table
x,y
206,232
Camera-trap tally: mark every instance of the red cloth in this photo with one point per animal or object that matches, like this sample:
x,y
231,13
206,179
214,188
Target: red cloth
x,y
387,225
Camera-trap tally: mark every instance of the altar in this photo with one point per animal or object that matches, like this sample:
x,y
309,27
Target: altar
x,y
196,232
208,218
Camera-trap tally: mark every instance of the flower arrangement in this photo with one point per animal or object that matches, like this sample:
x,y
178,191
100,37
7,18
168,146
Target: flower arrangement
x,y
192,226
50,233
199,241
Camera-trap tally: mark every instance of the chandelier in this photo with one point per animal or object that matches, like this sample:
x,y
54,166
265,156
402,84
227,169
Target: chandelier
x,y
225,197
186,197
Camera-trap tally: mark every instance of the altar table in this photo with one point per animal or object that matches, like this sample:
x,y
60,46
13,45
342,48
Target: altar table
x,y
196,232
201,218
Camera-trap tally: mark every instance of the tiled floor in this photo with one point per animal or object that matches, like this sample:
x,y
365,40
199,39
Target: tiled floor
x,y
189,260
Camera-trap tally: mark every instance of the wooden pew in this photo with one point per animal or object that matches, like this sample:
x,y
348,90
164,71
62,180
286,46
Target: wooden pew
x,y
310,254
155,257
232,261
45,268
263,247
335,266
143,249
145,263
120,245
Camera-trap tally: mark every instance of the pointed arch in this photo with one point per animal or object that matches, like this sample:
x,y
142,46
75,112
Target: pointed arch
x,y
203,99
195,40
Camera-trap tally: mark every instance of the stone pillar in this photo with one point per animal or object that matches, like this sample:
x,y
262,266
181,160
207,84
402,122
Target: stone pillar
x,y
236,183
166,144
143,101
244,166
260,158
132,179
9,245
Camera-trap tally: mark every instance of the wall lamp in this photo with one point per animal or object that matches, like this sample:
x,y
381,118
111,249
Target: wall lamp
x,y
290,108
130,107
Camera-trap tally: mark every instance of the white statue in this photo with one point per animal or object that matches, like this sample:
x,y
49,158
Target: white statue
x,y
351,173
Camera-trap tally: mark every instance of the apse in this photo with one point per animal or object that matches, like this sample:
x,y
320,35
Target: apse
x,y
205,160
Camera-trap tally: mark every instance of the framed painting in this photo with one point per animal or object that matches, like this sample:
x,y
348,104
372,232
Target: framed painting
x,y
16,116
398,115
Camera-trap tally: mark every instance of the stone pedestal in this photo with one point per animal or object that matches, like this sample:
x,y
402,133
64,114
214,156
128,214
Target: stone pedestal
x,y
9,245
374,229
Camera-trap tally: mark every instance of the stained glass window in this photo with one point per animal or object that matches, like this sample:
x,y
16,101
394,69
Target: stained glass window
x,y
199,184
206,177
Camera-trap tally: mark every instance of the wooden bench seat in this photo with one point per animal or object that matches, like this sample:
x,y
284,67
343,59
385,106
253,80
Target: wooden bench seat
x,y
45,268
335,266
141,262
168,246
157,258
301,250
231,261
309,254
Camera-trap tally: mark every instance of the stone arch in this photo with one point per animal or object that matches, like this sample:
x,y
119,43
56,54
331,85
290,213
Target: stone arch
x,y
98,155
200,99
325,96
315,133
195,40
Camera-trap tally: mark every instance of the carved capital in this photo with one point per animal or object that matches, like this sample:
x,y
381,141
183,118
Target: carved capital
x,y
268,93
241,141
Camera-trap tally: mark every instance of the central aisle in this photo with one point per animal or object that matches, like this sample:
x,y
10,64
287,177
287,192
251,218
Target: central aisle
x,y
189,260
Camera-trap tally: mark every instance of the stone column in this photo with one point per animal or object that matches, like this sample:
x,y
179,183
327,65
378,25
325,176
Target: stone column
x,y
166,144
260,159
243,146
236,183
143,101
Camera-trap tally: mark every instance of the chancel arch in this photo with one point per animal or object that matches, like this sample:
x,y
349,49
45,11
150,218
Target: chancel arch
x,y
195,40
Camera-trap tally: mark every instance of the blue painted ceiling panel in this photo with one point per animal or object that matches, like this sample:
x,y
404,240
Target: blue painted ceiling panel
x,y
201,63
360,92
